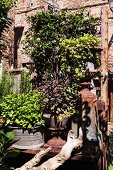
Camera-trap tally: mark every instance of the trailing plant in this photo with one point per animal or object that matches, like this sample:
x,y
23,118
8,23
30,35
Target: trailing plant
x,y
6,140
23,110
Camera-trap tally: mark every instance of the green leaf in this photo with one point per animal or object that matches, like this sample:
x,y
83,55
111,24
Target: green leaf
x,y
10,135
110,167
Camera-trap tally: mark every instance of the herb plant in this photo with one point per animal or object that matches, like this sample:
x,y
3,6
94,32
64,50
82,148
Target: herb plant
x,y
60,101
23,110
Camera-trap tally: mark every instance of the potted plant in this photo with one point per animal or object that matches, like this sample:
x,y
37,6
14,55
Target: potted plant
x,y
60,104
22,113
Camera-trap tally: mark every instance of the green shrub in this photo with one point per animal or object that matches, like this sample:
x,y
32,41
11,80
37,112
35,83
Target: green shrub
x,y
60,44
23,110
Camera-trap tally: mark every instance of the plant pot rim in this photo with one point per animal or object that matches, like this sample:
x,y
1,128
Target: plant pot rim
x,y
17,127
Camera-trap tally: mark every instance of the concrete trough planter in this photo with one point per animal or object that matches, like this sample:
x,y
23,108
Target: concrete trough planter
x,y
28,139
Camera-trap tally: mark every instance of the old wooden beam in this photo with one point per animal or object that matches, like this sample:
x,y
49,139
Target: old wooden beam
x,y
104,56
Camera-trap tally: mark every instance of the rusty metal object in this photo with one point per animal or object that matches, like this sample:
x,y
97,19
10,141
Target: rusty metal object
x,y
88,96
56,142
101,105
89,116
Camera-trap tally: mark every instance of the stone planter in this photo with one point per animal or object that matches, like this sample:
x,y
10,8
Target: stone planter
x,y
28,139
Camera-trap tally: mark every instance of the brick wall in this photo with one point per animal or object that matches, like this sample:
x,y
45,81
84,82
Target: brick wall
x,y
24,9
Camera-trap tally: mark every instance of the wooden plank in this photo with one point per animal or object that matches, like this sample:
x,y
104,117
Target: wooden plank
x,y
104,56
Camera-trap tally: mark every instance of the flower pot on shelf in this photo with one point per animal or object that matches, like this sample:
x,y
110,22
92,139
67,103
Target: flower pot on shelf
x,y
28,138
54,128
52,121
